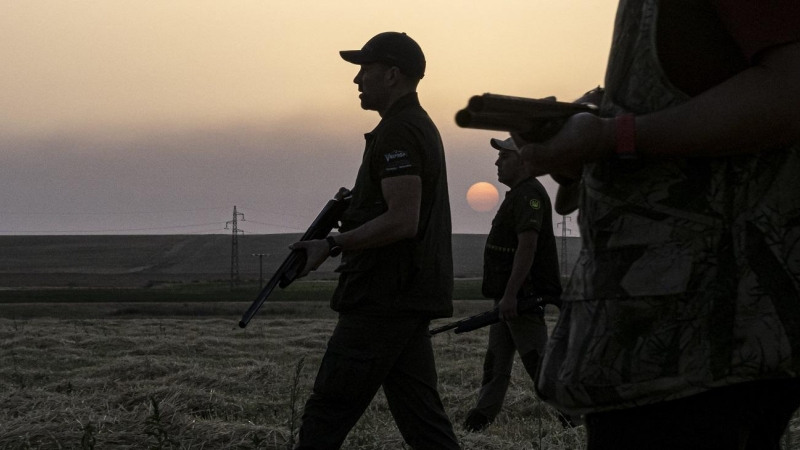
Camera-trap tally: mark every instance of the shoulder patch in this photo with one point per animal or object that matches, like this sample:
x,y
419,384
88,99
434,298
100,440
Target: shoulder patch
x,y
535,203
397,154
397,160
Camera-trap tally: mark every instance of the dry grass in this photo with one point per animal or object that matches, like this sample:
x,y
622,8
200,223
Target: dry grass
x,y
203,383
206,384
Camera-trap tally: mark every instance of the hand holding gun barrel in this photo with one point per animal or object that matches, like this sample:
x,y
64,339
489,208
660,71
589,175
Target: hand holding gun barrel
x,y
292,266
533,120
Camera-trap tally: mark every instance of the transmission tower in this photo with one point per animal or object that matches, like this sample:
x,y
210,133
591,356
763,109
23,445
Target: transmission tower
x,y
235,246
564,231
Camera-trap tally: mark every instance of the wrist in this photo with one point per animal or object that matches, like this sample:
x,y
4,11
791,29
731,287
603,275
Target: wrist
x,y
604,141
624,134
334,248
509,298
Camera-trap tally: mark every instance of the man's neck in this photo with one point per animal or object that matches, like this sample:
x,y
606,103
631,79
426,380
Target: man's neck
x,y
516,181
395,96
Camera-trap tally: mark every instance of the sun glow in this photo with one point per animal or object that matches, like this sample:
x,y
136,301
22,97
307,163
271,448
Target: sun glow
x,y
482,196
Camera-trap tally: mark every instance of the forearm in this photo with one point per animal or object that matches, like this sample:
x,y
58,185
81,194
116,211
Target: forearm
x,y
403,197
383,230
756,110
523,260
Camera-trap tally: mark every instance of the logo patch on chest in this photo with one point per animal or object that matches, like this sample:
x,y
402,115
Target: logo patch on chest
x,y
535,204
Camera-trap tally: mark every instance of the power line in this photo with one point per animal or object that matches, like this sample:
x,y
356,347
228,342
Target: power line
x,y
119,213
132,213
274,225
303,218
116,230
204,232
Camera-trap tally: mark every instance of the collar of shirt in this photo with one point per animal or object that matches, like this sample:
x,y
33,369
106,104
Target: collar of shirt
x,y
410,99
519,184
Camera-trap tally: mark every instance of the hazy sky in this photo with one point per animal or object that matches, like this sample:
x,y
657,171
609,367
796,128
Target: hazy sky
x,y
151,116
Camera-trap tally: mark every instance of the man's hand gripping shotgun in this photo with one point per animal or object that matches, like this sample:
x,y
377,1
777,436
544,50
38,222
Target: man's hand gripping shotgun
x,y
527,305
326,220
534,120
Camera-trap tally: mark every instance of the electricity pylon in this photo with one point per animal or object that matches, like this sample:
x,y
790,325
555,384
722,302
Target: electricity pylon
x,y
235,246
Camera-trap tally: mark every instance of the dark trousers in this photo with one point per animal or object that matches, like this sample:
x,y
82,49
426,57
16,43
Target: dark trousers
x,y
365,353
747,416
526,334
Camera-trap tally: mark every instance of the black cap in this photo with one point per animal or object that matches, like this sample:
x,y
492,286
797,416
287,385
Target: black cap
x,y
507,144
392,48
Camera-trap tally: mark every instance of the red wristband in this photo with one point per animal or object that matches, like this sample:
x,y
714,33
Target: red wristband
x,y
625,137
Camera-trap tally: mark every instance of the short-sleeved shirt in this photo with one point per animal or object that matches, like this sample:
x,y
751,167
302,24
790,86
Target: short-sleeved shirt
x,y
411,276
526,207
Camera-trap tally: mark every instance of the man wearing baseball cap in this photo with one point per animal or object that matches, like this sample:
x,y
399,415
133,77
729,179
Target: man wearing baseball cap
x,y
392,49
396,272
519,260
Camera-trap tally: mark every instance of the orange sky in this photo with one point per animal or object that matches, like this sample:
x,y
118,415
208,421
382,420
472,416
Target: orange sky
x,y
164,106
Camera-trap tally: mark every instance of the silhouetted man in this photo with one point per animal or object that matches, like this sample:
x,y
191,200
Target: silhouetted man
x,y
397,269
520,259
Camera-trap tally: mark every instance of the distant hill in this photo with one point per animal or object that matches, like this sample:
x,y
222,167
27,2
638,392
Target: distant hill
x,y
143,260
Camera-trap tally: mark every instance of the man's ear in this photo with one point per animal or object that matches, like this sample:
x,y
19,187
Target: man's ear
x,y
392,76
527,167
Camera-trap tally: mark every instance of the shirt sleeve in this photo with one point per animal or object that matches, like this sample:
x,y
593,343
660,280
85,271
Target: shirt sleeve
x,y
757,25
528,211
398,152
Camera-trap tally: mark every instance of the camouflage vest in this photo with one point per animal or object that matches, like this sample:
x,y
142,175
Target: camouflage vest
x,y
689,273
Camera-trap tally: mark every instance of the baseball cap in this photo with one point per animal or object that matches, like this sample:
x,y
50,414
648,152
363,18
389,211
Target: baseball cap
x,y
393,48
507,144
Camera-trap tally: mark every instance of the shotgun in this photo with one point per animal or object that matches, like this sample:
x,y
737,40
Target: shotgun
x,y
525,305
535,120
326,220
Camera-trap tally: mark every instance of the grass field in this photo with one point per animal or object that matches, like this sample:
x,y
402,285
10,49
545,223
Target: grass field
x,y
204,383
310,290
148,380
165,366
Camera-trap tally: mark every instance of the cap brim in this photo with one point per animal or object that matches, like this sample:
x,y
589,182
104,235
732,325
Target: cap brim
x,y
507,144
357,56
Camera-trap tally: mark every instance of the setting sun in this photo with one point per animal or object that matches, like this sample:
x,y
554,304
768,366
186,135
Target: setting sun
x,y
482,196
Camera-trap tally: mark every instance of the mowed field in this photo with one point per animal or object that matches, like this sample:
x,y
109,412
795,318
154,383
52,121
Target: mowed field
x,y
131,342
163,365
204,383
